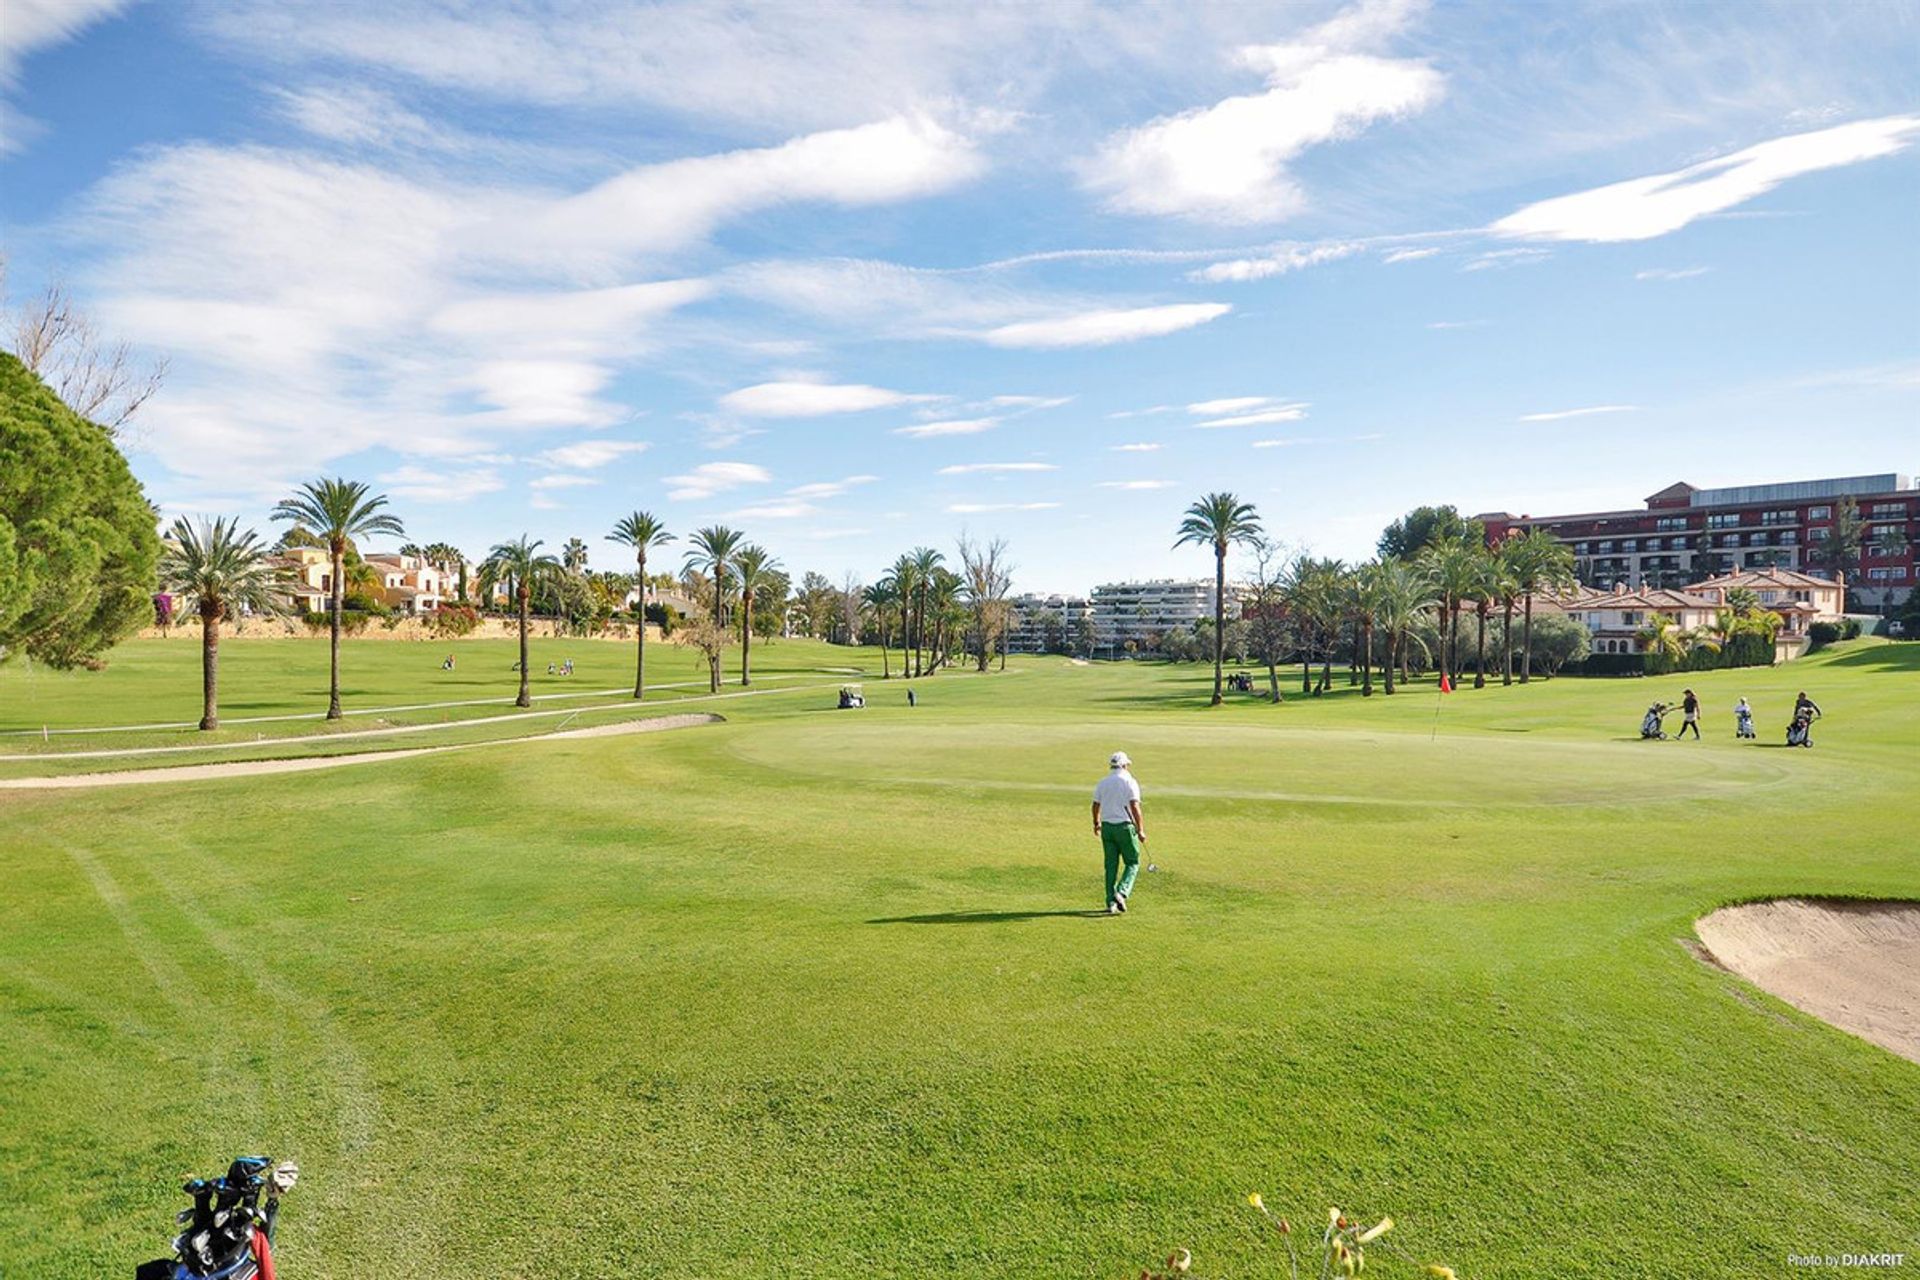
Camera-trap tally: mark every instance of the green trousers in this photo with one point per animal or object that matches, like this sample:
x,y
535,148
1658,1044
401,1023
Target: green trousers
x,y
1121,845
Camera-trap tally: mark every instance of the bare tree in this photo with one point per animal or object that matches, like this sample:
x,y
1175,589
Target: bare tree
x,y
1273,635
989,576
99,380
850,592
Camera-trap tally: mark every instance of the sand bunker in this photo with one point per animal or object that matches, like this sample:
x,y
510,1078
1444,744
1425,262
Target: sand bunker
x,y
1853,964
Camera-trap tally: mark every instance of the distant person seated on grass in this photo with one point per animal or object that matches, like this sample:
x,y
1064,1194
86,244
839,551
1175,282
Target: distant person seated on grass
x,y
566,668
552,669
1689,716
1116,820
448,664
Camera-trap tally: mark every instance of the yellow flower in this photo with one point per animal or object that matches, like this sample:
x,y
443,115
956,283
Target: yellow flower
x,y
1333,1217
1376,1231
1181,1262
1253,1198
1443,1273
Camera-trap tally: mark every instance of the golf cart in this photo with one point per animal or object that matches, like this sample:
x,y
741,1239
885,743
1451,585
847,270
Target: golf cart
x,y
850,696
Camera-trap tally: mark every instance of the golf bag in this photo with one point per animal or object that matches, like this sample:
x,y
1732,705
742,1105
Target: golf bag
x,y
227,1235
1800,732
1743,725
1651,726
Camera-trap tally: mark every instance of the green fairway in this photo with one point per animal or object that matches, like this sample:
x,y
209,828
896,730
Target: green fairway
x,y
821,993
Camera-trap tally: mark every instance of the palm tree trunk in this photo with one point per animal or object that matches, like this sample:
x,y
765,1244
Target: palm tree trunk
x,y
209,670
640,647
1219,617
886,648
720,628
1526,642
1273,684
525,699
1366,666
1480,648
1393,656
333,633
746,638
1506,644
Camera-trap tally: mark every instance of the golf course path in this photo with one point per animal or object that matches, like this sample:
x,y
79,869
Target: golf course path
x,y
1854,964
303,764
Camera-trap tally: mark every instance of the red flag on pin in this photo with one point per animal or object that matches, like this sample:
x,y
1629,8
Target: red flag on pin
x,y
1446,685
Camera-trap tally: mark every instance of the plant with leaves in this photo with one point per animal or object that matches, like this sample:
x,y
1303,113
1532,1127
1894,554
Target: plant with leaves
x,y
339,512
1458,571
1663,638
1220,521
520,567
711,551
989,577
573,556
882,598
218,572
922,561
1541,564
1404,593
755,571
1343,1244
642,531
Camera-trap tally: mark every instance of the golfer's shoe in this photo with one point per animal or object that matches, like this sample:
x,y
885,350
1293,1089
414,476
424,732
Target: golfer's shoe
x,y
1120,901
1113,907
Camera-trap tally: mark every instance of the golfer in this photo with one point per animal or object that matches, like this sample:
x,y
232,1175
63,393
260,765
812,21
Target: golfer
x,y
1116,820
1690,716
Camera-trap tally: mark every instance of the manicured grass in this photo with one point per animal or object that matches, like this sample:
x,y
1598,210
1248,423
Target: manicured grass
x,y
810,993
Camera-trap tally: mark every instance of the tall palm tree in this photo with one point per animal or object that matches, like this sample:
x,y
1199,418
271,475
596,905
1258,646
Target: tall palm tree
x,y
215,569
1455,565
1486,590
755,570
1506,589
1365,594
641,531
521,567
925,561
1219,520
881,597
1405,593
573,556
712,551
338,511
1541,563
906,584
1662,635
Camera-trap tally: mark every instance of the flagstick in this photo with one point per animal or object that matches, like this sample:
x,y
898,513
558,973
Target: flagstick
x,y
1438,697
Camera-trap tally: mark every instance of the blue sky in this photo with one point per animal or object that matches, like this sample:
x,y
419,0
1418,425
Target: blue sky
x,y
856,279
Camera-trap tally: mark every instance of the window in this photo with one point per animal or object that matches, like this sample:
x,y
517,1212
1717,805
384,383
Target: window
x,y
1790,538
1729,539
1629,619
1631,544
1888,510
1778,517
1604,548
1667,524
1723,520
1819,513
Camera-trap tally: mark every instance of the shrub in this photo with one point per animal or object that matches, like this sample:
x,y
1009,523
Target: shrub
x,y
451,621
1822,634
1850,629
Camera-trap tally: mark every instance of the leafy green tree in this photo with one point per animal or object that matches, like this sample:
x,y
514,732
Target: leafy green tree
x,y
1839,545
1661,636
1421,527
755,570
338,511
522,569
573,556
1219,520
924,561
216,570
1404,594
883,598
1456,567
642,531
712,551
77,539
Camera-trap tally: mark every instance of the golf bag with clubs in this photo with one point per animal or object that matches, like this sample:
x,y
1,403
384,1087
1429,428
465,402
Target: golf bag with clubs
x,y
1800,732
1652,725
227,1235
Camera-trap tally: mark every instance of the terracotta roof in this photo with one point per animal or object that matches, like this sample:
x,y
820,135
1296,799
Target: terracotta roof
x,y
1769,577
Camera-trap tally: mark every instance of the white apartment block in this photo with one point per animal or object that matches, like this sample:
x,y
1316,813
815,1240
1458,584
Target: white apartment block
x,y
1035,615
1141,611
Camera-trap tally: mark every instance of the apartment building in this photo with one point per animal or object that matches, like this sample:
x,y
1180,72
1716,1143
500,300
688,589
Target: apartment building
x,y
1046,624
1684,534
407,583
1141,612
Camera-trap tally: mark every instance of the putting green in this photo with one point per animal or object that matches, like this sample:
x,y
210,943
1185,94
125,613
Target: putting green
x,y
818,993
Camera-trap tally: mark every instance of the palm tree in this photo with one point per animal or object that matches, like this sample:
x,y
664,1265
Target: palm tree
x,y
1455,565
1661,635
574,556
713,550
1404,592
755,570
641,531
924,560
338,511
1506,588
522,568
881,597
1365,594
215,569
1486,590
906,583
1219,520
1541,562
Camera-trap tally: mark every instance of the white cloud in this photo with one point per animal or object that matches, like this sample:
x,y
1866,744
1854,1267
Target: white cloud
x,y
810,399
25,27
1231,404
1260,417
830,488
976,508
1501,258
775,511
710,478
969,468
542,483
1279,262
1456,324
1145,413
1137,447
1407,255
1557,414
1642,208
1028,403
1101,328
953,427
1135,484
1671,273
423,484
585,455
1229,162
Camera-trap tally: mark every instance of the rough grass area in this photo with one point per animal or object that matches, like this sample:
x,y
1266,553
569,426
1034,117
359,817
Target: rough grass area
x,y
817,993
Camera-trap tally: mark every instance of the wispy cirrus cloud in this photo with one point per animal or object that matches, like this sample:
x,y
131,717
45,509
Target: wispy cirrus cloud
x,y
1277,263
1135,484
26,27
1643,208
1671,273
798,398
948,427
585,455
980,508
1138,446
1253,411
1104,328
710,478
972,468
1556,415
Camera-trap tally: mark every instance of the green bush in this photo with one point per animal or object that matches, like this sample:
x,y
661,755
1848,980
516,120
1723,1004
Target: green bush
x,y
1850,629
451,621
1822,634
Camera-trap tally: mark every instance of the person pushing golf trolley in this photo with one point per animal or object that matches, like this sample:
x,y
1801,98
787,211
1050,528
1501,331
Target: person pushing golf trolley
x,y
1117,821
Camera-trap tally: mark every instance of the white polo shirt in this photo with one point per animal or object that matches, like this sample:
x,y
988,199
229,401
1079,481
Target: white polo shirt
x,y
1114,793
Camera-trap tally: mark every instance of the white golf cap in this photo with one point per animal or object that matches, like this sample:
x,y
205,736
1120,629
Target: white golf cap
x,y
1118,760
